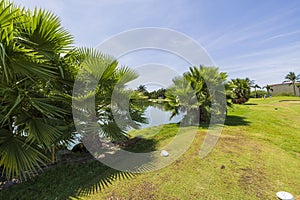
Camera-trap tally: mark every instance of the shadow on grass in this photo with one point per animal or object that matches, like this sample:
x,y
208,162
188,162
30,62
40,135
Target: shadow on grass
x,y
250,104
236,121
76,178
289,100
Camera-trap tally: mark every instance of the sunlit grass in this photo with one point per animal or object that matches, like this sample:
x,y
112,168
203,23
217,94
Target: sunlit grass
x,y
257,155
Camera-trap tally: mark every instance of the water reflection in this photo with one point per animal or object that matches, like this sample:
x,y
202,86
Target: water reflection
x,y
157,116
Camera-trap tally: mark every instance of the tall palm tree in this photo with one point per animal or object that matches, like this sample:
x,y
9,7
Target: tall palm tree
x,y
143,90
268,88
255,87
292,79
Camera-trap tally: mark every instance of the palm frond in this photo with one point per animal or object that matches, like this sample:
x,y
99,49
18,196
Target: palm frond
x,y
17,157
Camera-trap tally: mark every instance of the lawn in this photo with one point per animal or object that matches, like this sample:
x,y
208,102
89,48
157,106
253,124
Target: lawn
x,y
257,155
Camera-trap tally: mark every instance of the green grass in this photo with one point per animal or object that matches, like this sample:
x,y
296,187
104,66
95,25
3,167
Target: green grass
x,y
257,155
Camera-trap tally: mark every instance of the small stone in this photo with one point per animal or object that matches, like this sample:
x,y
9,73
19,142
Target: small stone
x,y
223,167
284,195
164,153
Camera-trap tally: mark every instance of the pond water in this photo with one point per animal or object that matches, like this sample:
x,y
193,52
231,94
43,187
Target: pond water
x,y
157,116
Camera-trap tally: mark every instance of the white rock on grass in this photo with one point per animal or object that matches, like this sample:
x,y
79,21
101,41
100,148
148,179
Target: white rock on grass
x,y
164,153
284,195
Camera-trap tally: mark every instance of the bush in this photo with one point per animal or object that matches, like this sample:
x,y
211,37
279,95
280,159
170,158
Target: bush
x,y
259,94
240,90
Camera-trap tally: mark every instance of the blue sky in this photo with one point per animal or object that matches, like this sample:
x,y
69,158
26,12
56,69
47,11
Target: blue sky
x,y
248,38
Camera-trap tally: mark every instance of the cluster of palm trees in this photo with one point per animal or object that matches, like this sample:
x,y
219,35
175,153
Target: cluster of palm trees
x,y
190,93
290,78
202,91
38,67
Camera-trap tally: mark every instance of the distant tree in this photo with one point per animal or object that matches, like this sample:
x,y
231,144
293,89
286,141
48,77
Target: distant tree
x,y
292,79
255,87
143,90
268,88
258,94
251,82
240,90
160,93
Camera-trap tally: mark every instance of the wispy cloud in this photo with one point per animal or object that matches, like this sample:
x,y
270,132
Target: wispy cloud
x,y
283,35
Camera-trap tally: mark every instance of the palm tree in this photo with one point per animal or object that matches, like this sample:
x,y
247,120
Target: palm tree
x,y
190,93
255,87
240,90
111,98
38,67
143,89
292,79
268,88
35,112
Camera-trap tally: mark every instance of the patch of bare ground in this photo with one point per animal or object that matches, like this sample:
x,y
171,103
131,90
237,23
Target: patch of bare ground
x,y
232,144
252,178
145,190
253,181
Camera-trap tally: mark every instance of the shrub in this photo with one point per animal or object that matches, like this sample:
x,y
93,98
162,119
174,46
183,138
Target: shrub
x,y
259,94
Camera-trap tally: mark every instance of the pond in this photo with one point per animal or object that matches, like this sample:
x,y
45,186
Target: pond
x,y
157,116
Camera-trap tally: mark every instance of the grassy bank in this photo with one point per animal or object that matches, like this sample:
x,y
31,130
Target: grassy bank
x,y
257,155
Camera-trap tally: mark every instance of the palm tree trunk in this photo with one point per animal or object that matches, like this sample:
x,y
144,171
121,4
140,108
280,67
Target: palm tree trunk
x,y
294,87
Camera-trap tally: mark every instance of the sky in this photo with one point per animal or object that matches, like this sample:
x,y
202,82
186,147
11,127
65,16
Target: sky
x,y
249,38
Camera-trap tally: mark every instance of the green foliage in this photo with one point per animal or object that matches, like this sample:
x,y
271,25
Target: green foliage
x,y
33,108
143,90
292,78
255,157
156,94
258,94
38,67
255,86
240,90
194,92
268,88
